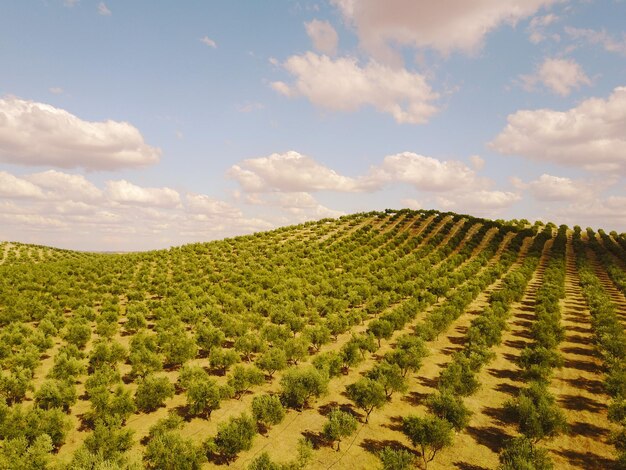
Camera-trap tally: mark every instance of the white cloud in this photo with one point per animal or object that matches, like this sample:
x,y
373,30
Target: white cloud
x,y
103,9
288,172
203,204
477,162
444,26
343,85
127,193
481,202
591,135
602,38
13,187
537,28
424,173
70,3
558,75
39,134
66,186
56,90
323,35
557,188
208,41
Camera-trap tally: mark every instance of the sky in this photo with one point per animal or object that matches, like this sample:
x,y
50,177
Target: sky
x,y
136,125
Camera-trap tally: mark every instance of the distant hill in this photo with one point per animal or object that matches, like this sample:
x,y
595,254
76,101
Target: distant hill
x,y
134,358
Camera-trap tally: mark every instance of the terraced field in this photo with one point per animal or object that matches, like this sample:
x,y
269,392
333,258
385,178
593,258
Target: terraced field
x,y
323,345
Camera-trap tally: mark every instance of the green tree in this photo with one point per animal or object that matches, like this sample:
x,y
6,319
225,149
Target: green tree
x,y
204,395
459,377
272,361
318,335
381,329
299,385
267,410
20,454
296,349
339,424
109,438
367,394
209,337
242,378
400,459
390,377
537,413
56,394
152,391
223,359
450,407
430,435
169,451
233,437
520,454
78,332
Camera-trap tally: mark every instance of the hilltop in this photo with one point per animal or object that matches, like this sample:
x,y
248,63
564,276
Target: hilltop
x,y
133,357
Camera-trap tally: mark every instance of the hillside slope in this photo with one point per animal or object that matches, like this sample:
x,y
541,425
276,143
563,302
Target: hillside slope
x,y
95,345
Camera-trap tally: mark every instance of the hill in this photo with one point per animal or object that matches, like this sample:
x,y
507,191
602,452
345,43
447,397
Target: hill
x,y
502,329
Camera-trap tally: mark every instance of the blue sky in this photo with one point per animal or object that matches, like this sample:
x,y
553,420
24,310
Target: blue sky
x,y
138,125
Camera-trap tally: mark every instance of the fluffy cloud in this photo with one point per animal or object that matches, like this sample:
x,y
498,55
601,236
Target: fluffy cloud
x,y
60,209
444,26
604,39
482,202
537,28
289,172
39,134
13,187
558,75
424,173
203,204
590,135
323,35
66,186
124,192
343,85
557,188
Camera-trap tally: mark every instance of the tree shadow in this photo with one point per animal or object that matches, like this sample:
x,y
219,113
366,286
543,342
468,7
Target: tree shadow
x,y
375,447
589,352
504,374
508,389
582,365
426,382
489,436
587,460
414,398
587,430
591,385
516,343
580,403
316,439
500,415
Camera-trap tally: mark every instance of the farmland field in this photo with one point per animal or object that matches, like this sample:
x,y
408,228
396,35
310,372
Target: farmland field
x,y
322,345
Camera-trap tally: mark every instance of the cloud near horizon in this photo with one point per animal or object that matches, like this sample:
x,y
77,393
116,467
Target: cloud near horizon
x,y
38,134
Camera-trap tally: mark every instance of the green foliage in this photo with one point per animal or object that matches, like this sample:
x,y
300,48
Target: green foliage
x,y
204,396
267,410
169,451
450,407
329,362
381,329
400,459
299,385
55,394
521,454
537,413
339,424
429,434
233,437
367,394
390,377
242,378
272,361
223,359
209,337
152,391
459,377
109,439
19,454
78,333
